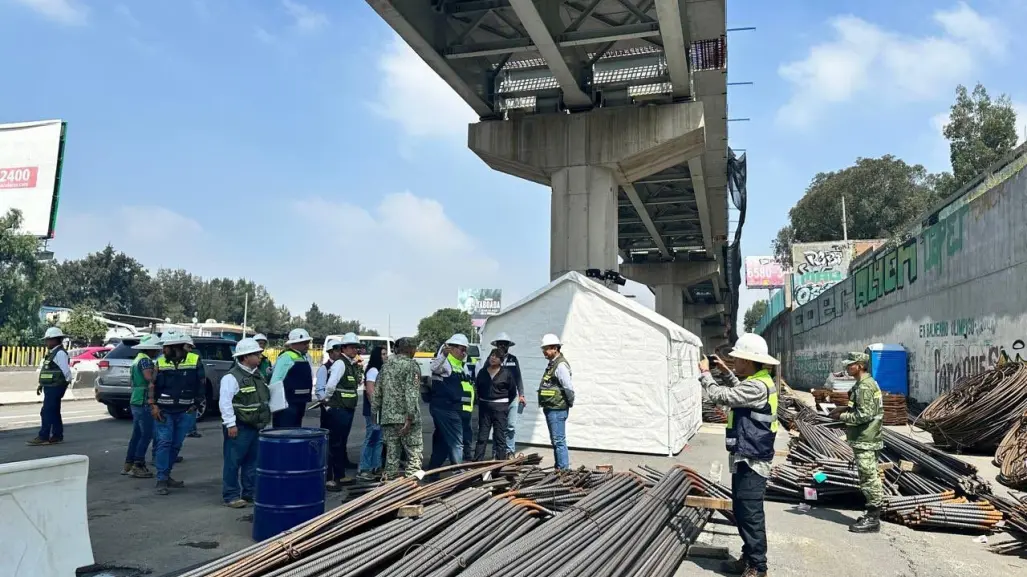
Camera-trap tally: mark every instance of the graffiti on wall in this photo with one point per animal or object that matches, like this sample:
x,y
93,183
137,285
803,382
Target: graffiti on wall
x,y
818,265
962,348
943,240
810,369
891,271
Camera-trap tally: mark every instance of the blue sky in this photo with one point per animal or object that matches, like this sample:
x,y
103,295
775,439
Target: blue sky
x,y
298,143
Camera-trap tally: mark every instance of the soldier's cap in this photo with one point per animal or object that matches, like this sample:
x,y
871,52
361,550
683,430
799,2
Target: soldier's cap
x,y
853,358
406,344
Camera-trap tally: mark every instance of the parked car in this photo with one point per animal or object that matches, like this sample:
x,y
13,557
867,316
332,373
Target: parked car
x,y
87,358
114,386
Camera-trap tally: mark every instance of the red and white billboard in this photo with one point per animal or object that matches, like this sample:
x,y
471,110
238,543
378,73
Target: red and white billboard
x,y
763,272
31,156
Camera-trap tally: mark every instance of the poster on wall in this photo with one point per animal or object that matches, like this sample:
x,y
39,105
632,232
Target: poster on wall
x,y
763,272
480,303
818,266
31,157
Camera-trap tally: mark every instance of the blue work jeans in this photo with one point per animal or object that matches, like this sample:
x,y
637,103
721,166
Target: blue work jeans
x,y
171,434
468,435
338,422
291,416
516,408
240,455
748,489
142,435
371,453
448,439
556,420
52,427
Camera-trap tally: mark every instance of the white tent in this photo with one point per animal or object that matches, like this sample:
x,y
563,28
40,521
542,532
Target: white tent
x,y
635,373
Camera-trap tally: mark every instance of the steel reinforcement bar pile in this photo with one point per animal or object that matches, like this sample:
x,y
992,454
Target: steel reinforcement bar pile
x,y
1011,456
943,511
1015,513
979,409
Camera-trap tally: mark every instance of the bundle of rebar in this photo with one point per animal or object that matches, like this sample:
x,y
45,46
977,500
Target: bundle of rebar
x,y
979,409
711,413
1015,525
957,514
1011,456
895,412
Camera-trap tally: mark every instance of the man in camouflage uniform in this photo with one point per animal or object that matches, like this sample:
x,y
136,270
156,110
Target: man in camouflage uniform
x,y
397,402
864,419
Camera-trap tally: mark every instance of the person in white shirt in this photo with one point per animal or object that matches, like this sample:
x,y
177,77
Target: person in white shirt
x,y
325,384
54,378
244,404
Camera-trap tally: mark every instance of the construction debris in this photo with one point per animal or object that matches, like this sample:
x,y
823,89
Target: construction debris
x,y
1011,456
631,524
979,410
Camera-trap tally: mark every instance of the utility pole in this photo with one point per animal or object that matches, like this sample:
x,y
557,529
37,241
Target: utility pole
x,y
845,226
245,312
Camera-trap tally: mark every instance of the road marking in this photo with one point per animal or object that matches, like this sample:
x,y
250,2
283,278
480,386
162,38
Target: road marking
x,y
63,413
64,420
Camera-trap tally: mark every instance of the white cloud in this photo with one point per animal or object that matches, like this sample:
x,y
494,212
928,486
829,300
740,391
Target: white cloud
x,y
126,14
68,12
413,95
865,58
304,18
264,36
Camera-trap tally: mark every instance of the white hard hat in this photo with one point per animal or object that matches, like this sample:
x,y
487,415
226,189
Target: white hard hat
x,y
54,333
298,336
350,339
332,343
752,347
502,337
148,343
170,338
187,339
551,340
246,347
459,340
260,337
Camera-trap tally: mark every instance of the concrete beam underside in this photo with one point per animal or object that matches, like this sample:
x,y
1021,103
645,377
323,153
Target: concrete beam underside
x,y
585,158
683,273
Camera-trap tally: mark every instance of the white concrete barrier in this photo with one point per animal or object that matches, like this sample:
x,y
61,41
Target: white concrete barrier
x,y
44,527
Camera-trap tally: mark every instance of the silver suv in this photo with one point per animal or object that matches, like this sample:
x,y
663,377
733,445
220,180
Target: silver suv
x,y
113,386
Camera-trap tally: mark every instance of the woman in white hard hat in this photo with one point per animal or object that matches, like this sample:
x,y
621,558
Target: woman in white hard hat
x,y
751,432
54,378
503,343
245,410
293,374
556,397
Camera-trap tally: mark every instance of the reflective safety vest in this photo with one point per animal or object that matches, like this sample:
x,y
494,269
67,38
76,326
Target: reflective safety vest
x,y
177,387
139,382
298,382
550,393
251,401
751,432
345,394
50,375
454,392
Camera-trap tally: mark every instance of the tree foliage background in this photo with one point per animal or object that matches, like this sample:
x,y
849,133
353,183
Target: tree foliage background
x,y
754,314
434,329
884,197
111,281
83,326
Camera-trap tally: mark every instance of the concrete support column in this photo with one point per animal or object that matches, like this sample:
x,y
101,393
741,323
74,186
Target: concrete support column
x,y
583,231
670,302
692,325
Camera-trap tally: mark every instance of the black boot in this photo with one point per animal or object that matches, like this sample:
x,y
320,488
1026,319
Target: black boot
x,y
734,567
868,523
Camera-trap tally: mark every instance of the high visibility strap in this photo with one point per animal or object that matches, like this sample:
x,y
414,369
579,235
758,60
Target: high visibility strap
x,y
248,390
763,418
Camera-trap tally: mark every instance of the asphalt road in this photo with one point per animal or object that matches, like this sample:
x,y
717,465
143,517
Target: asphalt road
x,y
131,527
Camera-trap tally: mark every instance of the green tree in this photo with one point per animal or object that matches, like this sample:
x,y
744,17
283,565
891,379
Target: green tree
x,y
782,246
435,328
83,326
883,197
107,280
754,314
22,282
980,132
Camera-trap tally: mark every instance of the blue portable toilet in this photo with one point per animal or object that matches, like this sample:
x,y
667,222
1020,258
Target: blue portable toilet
x,y
889,365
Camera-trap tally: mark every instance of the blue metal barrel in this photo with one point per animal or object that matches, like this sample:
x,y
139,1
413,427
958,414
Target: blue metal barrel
x,y
291,466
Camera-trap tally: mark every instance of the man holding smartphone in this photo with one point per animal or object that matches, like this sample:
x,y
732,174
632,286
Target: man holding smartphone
x,y
751,431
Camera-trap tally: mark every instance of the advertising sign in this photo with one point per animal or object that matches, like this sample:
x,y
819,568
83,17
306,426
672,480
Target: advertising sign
x,y
31,157
818,266
480,303
763,272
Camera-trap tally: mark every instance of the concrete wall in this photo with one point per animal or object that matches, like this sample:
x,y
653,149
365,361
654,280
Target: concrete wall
x,y
953,294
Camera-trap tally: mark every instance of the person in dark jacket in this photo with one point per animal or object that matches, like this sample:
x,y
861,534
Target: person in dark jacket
x,y
496,389
503,343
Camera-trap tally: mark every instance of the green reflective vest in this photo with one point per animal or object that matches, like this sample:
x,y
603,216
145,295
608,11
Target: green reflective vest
x,y
345,394
139,383
550,393
250,403
50,375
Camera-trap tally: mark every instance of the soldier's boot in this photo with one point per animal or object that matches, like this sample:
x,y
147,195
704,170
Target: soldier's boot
x,y
868,523
734,567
